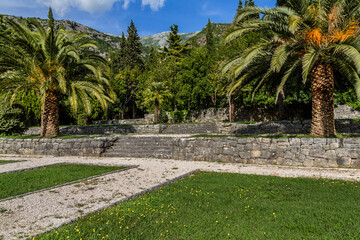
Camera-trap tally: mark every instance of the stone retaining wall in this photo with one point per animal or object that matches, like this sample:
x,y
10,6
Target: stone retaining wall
x,y
319,152
277,127
309,152
56,147
102,130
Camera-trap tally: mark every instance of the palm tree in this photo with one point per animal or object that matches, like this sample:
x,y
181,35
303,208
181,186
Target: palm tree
x,y
53,63
155,94
308,40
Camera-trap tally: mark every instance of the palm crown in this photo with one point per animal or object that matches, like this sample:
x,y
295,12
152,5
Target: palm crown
x,y
53,63
307,38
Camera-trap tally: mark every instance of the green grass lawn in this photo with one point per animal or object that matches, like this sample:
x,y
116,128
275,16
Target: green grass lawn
x,y
229,206
13,184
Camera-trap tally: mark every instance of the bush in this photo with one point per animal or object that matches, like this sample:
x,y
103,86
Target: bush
x,y
163,117
12,120
180,116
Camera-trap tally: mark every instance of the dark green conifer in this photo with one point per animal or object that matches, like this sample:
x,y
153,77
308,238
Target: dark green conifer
x,y
210,42
153,59
132,49
176,48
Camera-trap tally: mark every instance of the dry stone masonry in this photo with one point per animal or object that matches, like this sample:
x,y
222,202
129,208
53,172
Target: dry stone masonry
x,y
55,147
319,152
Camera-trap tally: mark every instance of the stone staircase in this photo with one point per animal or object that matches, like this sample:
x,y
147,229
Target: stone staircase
x,y
142,147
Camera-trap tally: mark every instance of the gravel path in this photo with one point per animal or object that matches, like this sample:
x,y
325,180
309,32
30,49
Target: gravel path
x,y
38,212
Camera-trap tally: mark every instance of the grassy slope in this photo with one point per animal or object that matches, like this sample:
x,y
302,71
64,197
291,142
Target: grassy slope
x,y
17,183
229,206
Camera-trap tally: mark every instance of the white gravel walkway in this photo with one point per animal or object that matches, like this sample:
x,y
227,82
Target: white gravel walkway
x,y
37,212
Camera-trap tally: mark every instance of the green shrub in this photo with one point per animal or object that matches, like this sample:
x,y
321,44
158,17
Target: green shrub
x,y
180,116
12,120
163,117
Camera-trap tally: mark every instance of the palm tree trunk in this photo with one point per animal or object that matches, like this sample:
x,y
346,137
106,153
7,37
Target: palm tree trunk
x,y
322,90
50,116
281,104
231,109
156,111
134,110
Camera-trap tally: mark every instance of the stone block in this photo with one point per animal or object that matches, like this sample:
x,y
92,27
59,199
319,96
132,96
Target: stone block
x,y
343,161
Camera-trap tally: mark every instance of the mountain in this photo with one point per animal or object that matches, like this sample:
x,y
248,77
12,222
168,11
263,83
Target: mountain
x,y
219,30
109,42
159,40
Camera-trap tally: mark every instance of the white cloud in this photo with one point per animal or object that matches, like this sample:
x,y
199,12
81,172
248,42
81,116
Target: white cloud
x,y
61,7
155,5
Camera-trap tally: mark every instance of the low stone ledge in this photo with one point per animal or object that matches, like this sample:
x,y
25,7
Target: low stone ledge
x,y
56,147
309,152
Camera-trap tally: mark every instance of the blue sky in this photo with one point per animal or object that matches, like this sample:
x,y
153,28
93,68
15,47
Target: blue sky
x,y
149,16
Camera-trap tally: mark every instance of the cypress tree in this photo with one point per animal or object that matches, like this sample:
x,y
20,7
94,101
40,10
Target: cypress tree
x,y
132,48
210,42
122,52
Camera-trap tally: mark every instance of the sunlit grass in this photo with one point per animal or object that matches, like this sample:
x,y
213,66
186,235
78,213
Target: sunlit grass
x,y
17,183
229,206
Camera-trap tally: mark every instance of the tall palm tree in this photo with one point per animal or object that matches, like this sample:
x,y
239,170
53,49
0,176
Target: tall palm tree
x,y
54,63
310,38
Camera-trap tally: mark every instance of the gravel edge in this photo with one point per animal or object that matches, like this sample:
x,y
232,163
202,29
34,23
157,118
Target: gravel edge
x,y
65,184
118,202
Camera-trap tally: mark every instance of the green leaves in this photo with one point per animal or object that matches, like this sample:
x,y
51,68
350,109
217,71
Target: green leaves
x,y
57,61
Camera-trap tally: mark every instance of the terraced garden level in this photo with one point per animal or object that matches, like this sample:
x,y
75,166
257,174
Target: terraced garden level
x,y
6,161
229,206
17,183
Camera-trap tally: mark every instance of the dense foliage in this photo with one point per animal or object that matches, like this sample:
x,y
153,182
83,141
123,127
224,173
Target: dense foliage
x,y
182,77
12,120
315,41
51,63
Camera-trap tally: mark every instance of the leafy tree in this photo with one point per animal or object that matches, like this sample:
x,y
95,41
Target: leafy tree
x,y
127,85
52,63
311,40
195,90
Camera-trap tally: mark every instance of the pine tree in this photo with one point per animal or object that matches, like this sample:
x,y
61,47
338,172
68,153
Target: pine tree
x,y
132,49
176,48
210,42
